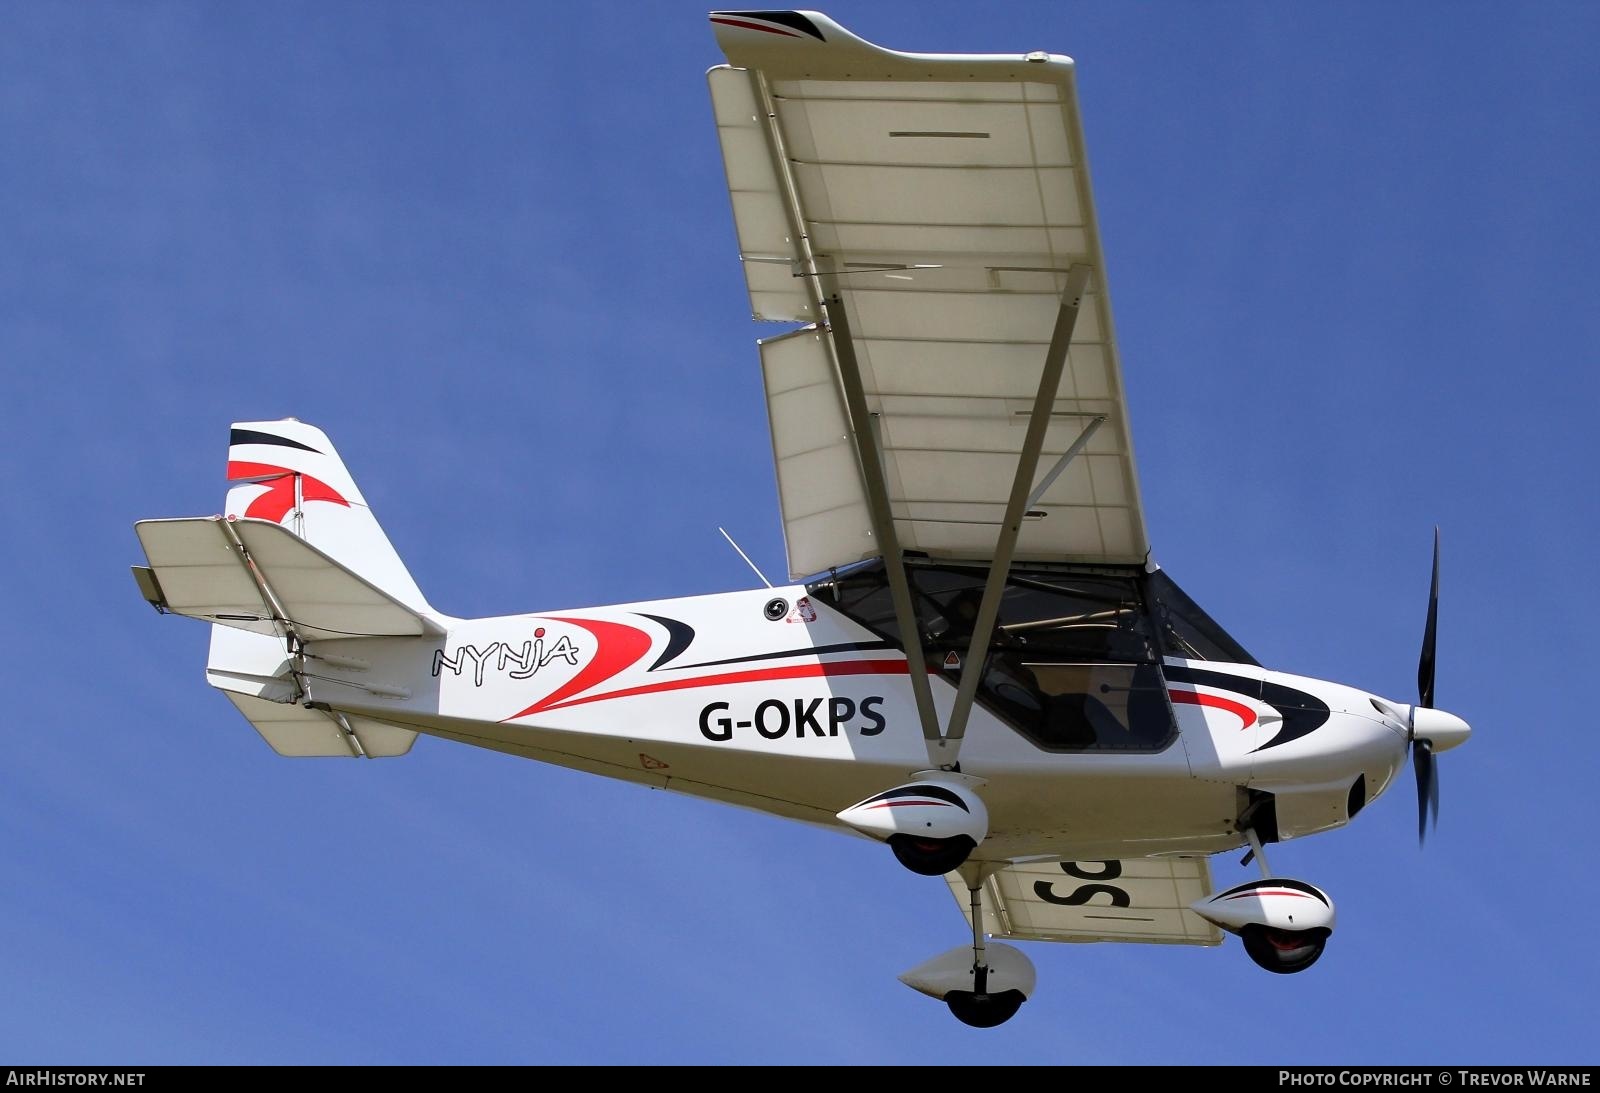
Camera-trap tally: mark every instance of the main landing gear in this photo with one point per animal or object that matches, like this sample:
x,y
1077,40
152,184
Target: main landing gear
x,y
1284,923
985,985
933,824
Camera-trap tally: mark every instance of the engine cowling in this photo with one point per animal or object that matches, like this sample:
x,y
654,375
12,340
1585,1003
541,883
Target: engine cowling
x,y
932,823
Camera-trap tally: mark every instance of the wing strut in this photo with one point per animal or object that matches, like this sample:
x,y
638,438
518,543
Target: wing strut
x,y
1017,506
870,456
868,453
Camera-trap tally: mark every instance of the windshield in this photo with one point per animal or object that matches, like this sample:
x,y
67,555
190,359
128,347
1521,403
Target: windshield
x,y
1187,631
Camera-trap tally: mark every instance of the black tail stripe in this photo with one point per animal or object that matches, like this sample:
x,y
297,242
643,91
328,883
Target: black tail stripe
x,y
250,436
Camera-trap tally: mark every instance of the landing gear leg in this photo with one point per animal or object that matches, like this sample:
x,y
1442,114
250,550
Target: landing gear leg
x,y
978,1007
1257,853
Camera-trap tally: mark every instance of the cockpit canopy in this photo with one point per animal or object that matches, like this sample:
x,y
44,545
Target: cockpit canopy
x,y
1074,663
1101,613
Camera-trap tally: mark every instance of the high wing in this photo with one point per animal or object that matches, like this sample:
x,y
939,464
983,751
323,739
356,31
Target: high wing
x,y
1138,899
942,203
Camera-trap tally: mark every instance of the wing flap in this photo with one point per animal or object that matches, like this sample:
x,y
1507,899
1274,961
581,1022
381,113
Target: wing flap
x,y
1135,900
819,483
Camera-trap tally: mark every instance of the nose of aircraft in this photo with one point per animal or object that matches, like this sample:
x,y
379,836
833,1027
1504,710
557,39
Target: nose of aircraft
x,y
1440,728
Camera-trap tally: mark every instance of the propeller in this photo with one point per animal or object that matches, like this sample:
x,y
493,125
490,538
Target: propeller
x,y
1422,761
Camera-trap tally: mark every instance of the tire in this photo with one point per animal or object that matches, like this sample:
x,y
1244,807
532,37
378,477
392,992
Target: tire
x,y
984,1010
1283,951
931,857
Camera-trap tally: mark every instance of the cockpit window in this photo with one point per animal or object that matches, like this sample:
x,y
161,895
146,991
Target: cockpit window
x,y
1187,631
1073,664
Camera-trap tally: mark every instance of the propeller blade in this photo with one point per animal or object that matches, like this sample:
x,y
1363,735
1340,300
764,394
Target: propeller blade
x,y
1433,793
1427,787
1429,635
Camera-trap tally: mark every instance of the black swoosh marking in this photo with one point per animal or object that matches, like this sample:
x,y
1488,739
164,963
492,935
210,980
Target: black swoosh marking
x,y
679,635
251,436
791,19
813,650
1276,882
1303,714
921,789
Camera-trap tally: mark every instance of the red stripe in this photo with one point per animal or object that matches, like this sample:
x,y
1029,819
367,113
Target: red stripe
x,y
1238,709
758,675
757,26
1273,892
279,498
617,647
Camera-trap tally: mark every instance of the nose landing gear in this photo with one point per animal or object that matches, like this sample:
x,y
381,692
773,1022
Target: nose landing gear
x,y
1283,951
1284,923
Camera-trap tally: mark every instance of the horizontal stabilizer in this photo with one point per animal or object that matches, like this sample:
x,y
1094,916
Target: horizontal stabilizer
x,y
295,731
257,575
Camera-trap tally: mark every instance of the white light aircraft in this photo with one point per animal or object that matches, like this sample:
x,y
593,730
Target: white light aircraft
x,y
984,669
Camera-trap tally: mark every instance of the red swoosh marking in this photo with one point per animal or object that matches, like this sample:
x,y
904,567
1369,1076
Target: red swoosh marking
x,y
619,648
1238,709
757,675
279,498
757,26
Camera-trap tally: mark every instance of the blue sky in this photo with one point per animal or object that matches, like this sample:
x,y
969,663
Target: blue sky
x,y
487,248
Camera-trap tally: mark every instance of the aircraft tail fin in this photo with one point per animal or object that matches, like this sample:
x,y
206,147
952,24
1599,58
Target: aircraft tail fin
x,y
289,473
297,561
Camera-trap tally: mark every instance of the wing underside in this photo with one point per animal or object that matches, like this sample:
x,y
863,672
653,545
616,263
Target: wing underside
x,y
943,204
1136,900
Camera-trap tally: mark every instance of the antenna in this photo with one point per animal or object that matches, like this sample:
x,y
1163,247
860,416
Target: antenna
x,y
746,558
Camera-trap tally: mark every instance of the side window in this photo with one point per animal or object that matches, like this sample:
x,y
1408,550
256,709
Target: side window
x,y
1089,618
1072,664
1064,706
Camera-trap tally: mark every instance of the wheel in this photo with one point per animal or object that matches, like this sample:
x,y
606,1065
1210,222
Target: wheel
x,y
1283,951
984,1010
931,857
